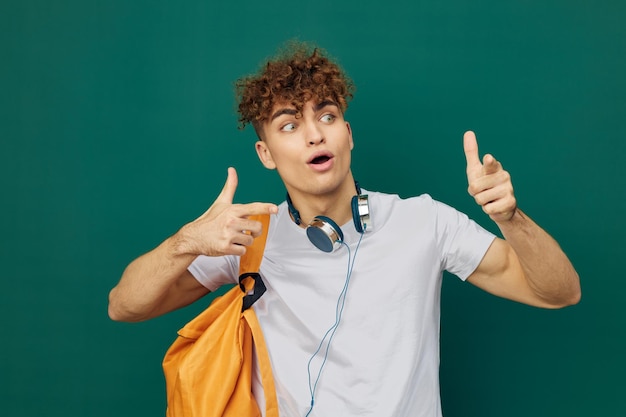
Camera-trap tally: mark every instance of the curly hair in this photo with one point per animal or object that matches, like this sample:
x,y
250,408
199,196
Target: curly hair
x,y
298,74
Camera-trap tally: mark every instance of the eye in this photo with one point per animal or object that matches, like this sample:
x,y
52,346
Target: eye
x,y
328,118
289,127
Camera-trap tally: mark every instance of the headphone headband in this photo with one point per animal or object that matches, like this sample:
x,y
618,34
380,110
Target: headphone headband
x,y
324,233
295,214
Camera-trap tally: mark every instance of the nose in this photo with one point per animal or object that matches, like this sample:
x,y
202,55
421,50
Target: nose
x,y
315,135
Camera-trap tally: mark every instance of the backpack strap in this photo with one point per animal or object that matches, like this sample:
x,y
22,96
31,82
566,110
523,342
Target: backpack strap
x,y
250,263
249,266
265,366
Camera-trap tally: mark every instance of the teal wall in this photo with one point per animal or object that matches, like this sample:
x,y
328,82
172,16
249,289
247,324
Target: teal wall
x,y
117,126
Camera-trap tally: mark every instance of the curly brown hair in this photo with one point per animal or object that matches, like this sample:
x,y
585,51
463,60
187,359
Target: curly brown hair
x,y
298,74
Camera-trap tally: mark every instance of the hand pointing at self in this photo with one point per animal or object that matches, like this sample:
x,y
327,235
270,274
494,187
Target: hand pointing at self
x,y
225,229
489,183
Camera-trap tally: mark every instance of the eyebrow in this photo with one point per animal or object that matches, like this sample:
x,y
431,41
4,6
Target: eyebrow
x,y
280,112
323,104
293,112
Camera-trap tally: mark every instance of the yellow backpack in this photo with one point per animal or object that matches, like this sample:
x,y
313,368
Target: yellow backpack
x,y
208,368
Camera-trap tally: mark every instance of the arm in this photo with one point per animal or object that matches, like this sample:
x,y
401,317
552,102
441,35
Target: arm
x,y
528,265
158,282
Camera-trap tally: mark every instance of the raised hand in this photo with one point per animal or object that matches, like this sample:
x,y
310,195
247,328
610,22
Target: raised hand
x,y
489,183
225,229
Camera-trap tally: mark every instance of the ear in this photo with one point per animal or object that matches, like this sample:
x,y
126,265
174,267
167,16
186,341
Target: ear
x,y
350,136
264,155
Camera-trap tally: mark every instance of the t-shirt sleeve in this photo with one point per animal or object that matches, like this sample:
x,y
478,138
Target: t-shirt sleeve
x,y
213,272
462,242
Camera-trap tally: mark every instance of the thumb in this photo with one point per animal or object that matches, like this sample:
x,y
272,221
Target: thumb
x,y
228,192
470,147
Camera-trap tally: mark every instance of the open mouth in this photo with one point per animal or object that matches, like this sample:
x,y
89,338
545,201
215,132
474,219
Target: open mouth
x,y
320,159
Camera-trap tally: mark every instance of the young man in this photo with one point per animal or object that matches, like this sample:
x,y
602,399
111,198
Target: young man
x,y
356,329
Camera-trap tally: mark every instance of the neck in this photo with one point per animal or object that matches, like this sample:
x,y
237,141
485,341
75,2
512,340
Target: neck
x,y
335,204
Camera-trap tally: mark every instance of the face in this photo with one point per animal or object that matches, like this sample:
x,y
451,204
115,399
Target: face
x,y
311,151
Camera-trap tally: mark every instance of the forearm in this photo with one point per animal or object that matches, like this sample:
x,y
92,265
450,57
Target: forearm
x,y
148,281
547,269
158,282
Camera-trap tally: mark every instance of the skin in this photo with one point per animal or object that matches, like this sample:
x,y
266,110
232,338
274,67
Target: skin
x,y
291,141
527,266
159,282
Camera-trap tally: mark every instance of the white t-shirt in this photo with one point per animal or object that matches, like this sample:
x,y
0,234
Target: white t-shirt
x,y
384,357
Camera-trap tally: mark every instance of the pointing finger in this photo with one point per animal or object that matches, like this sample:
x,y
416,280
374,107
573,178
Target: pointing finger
x,y
490,165
251,210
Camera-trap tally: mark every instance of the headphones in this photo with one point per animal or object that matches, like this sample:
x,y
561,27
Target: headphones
x,y
324,233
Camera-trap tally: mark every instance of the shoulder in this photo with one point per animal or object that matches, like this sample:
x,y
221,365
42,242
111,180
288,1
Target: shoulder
x,y
423,205
384,206
389,201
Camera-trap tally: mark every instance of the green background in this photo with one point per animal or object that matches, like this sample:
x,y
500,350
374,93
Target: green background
x,y
117,125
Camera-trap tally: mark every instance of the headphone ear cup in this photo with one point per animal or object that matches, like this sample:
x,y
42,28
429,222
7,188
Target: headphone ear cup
x,y
360,212
324,233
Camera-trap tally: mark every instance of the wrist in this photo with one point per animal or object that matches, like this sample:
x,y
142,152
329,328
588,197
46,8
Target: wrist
x,y
517,221
504,217
181,244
